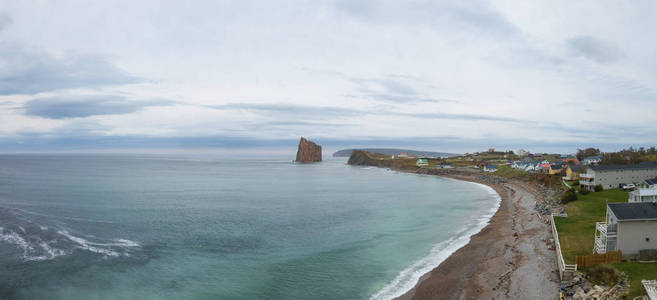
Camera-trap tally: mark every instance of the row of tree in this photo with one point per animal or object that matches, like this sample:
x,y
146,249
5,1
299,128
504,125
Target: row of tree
x,y
626,156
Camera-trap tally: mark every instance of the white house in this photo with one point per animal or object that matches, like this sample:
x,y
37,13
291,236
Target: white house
x,y
490,168
422,162
522,152
650,183
402,155
643,195
629,227
592,160
445,166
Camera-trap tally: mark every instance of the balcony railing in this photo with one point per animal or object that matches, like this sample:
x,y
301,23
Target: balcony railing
x,y
605,237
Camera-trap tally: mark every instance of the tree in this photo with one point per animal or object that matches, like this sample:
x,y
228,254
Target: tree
x,y
582,154
569,196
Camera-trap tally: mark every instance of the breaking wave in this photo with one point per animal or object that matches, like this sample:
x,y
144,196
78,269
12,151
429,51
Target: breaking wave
x,y
410,276
39,242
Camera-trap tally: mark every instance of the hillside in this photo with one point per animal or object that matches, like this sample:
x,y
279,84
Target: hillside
x,y
393,151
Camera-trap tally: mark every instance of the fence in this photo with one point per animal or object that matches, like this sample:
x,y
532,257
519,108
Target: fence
x,y
610,257
564,269
651,288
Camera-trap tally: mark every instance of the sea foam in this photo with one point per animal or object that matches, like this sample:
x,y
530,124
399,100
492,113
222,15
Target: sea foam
x,y
409,277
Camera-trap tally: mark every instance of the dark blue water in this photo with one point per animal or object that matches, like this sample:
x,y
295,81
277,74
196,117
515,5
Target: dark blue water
x,y
203,226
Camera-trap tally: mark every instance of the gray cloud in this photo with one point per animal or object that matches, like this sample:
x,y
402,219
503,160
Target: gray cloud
x,y
290,109
389,90
316,112
594,49
466,117
81,106
476,17
5,21
30,71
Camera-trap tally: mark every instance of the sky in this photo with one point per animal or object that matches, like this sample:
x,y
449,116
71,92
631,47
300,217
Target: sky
x,y
454,76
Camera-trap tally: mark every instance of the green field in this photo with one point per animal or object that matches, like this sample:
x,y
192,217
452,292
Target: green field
x,y
508,172
577,230
576,234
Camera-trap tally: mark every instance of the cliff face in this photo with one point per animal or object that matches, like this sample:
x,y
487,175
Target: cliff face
x,y
308,151
360,158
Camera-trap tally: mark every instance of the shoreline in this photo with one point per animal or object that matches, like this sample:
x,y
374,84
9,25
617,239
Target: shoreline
x,y
408,278
509,257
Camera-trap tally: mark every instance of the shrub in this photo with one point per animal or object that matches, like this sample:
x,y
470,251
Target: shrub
x,y
603,275
598,188
569,196
584,192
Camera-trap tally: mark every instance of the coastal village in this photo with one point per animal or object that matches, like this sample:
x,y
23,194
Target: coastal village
x,y
601,208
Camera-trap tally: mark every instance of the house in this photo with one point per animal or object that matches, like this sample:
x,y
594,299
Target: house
x,y
405,155
445,166
650,183
556,168
522,152
573,171
643,195
490,168
629,227
592,160
571,158
422,162
612,176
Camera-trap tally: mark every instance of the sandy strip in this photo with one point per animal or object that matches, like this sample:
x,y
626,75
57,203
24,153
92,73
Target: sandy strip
x,y
508,259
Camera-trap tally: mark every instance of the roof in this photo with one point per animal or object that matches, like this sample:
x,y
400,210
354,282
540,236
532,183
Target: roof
x,y
595,157
491,166
643,165
577,168
634,211
422,159
651,181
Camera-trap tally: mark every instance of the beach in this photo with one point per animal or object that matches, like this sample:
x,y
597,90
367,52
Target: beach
x,y
510,258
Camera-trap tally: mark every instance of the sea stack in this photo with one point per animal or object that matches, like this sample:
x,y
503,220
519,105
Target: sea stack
x,y
308,152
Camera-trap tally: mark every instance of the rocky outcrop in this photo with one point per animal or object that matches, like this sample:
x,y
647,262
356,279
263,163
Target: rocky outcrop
x,y
579,288
360,158
308,152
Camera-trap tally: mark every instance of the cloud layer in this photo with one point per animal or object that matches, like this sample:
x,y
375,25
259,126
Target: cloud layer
x,y
85,106
446,72
30,71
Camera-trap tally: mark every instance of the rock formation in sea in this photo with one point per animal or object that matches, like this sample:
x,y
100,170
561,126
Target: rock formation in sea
x,y
308,151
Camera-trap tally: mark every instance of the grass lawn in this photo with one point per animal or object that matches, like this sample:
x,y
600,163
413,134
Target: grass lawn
x,y
635,273
508,172
577,230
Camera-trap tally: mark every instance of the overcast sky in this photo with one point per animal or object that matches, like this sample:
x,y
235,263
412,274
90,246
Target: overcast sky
x,y
451,76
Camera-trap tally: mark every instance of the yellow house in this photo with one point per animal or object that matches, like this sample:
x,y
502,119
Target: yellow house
x,y
573,171
555,168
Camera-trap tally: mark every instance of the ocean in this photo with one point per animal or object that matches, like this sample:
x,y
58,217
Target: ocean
x,y
215,226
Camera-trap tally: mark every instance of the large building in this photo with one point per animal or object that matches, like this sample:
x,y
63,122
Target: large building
x,y
612,176
630,228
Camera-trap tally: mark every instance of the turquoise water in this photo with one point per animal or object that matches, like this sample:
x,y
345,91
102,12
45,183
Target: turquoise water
x,y
202,226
